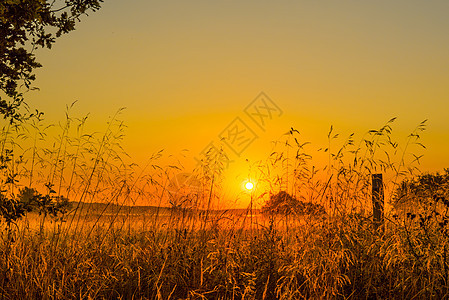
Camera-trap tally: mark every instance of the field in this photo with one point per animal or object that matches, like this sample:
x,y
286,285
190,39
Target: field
x,y
180,256
69,229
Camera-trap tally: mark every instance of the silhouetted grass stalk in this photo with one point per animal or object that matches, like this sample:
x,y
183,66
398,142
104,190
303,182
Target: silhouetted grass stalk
x,y
192,251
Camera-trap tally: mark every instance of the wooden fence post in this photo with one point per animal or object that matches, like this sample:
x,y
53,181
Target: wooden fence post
x,y
378,200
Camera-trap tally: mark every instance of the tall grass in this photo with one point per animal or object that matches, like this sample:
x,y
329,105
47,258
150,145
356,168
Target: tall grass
x,y
183,248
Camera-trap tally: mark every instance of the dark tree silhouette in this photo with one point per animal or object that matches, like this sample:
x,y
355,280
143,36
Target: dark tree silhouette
x,y
284,203
425,190
28,199
24,26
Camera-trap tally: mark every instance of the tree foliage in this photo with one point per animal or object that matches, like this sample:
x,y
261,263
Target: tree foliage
x,y
425,190
29,199
284,203
26,25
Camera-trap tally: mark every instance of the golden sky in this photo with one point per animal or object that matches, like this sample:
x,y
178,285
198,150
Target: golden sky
x,y
185,70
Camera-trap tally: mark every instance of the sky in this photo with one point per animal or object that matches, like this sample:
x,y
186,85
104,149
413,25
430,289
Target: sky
x,y
187,70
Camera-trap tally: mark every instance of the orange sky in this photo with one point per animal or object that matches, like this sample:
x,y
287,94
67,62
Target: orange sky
x,y
186,70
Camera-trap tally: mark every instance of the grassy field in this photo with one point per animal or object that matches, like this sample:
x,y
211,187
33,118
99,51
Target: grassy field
x,y
103,247
181,256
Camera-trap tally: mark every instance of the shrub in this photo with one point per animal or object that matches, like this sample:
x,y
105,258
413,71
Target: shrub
x,y
284,203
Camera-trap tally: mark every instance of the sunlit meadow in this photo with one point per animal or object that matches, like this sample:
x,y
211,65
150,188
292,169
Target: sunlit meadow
x,y
81,220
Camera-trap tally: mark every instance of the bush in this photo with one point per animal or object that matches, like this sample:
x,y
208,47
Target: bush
x,y
284,203
29,199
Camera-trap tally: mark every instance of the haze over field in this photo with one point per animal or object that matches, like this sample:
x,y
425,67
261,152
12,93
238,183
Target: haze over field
x,y
186,70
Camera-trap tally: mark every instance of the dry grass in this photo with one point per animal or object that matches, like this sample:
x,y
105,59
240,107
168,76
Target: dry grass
x,y
115,251
327,258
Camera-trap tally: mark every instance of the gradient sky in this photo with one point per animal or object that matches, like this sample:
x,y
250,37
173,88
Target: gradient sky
x,y
186,69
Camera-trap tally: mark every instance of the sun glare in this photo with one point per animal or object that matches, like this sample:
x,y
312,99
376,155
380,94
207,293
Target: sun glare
x,y
249,186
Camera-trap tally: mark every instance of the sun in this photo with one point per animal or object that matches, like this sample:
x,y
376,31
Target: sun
x,y
249,186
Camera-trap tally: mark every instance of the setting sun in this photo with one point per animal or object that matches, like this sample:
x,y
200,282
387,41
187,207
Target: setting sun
x,y
249,186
